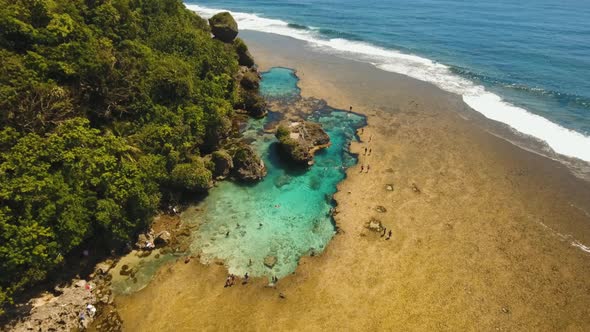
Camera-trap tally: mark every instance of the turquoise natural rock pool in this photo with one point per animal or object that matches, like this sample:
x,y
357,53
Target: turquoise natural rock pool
x,y
292,204
279,83
287,215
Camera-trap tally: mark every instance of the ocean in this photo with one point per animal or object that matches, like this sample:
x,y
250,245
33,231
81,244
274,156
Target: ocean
x,y
524,63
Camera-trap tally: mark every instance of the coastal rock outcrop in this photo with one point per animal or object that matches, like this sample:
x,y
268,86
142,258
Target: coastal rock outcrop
x,y
299,141
247,164
250,99
223,164
224,27
244,56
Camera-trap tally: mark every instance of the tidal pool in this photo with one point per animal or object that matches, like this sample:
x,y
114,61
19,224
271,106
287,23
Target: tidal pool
x,y
287,215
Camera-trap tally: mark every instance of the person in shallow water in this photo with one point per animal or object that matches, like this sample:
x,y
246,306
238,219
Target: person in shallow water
x,y
362,168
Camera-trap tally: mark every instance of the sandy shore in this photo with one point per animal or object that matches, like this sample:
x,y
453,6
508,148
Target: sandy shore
x,y
484,243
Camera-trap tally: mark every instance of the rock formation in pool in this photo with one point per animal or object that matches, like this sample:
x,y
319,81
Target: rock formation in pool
x,y
224,27
247,164
298,141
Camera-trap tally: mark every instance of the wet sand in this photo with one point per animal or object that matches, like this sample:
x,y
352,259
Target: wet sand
x,y
482,230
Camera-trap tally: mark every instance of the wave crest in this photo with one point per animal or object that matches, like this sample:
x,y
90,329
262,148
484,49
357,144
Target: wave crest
x,y
561,140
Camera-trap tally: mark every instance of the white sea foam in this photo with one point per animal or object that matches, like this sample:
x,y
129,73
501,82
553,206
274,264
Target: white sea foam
x,y
561,140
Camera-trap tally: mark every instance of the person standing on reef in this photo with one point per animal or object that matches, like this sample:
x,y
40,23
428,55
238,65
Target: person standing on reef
x,y
362,168
246,277
365,151
350,108
368,168
388,235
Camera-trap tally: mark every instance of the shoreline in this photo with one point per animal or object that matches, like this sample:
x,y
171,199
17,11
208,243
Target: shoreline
x,y
479,226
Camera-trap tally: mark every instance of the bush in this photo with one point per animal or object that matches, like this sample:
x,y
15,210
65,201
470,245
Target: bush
x,y
193,176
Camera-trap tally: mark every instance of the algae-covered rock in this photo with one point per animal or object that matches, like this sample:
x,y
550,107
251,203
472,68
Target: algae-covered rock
x,y
250,80
253,103
299,141
247,164
224,27
270,261
223,163
244,56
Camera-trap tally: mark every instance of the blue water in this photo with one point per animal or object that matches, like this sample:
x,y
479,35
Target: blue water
x,y
287,215
279,83
511,60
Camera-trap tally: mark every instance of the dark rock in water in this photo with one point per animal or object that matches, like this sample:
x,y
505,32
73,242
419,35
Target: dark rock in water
x,y
244,56
224,27
247,164
282,180
270,261
315,183
299,141
223,163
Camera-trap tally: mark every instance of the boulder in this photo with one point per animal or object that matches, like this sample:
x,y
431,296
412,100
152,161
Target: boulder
x,y
374,225
144,241
298,141
163,238
244,56
250,80
247,164
223,163
253,103
270,261
224,27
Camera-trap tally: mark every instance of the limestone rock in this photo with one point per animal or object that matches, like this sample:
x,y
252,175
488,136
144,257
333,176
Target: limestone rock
x,y
270,261
253,103
145,241
374,225
247,164
299,141
223,163
224,27
163,238
250,80
244,56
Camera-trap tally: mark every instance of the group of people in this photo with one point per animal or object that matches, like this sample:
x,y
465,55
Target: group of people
x,y
388,234
90,310
363,168
231,280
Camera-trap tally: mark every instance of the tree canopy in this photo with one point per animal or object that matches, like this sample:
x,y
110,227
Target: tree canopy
x,y
105,107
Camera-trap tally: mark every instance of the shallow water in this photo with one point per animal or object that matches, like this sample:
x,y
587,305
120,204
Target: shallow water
x,y
287,215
